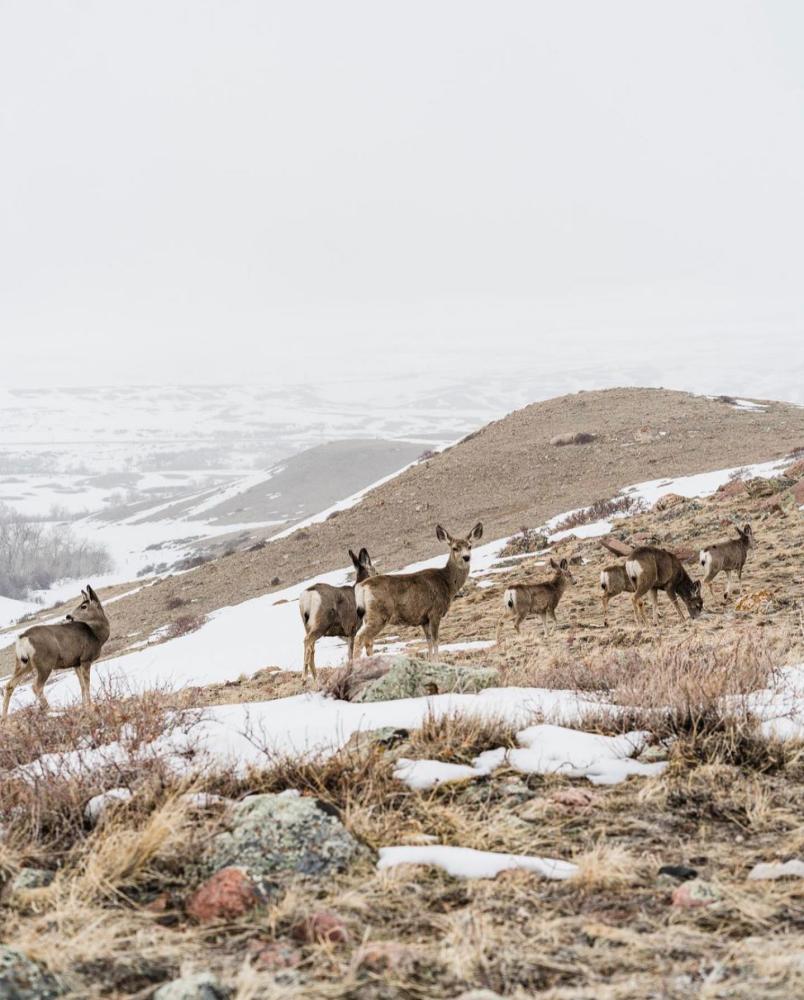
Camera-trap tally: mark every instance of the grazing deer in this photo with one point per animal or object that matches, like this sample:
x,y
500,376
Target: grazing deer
x,y
614,580
728,557
76,642
651,570
523,599
420,598
328,610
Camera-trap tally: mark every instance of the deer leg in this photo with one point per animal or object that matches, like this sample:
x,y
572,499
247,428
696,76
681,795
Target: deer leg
x,y
38,688
676,605
553,616
740,579
711,588
350,648
500,624
544,624
83,679
605,601
366,635
434,627
20,671
654,597
727,593
637,604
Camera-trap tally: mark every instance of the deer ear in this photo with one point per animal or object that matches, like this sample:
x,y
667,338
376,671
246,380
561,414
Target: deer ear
x,y
92,595
85,595
364,558
441,534
563,564
354,558
477,531
553,563
747,529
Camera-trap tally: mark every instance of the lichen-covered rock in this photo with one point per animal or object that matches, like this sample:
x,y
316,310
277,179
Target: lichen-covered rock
x,y
30,878
22,979
410,677
285,834
202,986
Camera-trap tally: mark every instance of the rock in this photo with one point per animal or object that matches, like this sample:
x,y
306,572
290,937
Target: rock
x,y
30,878
272,835
321,927
271,956
798,492
795,471
203,800
682,872
760,487
202,986
577,437
386,736
754,602
226,895
97,806
653,754
382,956
777,869
733,488
410,677
23,979
668,500
480,995
693,894
572,799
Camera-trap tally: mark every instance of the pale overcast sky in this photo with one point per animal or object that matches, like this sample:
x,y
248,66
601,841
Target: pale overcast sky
x,y
247,190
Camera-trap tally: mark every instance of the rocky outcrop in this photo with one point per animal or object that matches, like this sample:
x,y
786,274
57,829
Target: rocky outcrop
x,y
202,986
22,979
392,677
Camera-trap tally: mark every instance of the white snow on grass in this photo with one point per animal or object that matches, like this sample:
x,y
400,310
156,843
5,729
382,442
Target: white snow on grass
x,y
465,862
422,774
549,749
98,804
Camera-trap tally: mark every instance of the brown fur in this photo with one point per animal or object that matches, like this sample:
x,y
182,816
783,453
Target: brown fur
x,y
420,598
728,557
328,610
75,643
613,581
653,569
523,599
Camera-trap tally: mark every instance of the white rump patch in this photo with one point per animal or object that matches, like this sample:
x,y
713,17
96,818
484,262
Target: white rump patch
x,y
24,649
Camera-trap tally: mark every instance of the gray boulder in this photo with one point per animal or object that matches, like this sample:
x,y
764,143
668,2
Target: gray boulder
x,y
410,677
284,834
201,986
22,979
30,878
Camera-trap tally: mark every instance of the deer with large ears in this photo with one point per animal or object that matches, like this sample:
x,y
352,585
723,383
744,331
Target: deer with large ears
x,y
727,557
74,643
419,598
523,599
328,610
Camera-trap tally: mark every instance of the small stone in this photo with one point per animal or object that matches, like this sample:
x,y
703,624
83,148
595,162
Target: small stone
x,y
30,878
271,956
668,500
23,979
226,895
653,754
572,799
479,995
97,807
321,927
681,872
777,869
693,894
382,956
202,986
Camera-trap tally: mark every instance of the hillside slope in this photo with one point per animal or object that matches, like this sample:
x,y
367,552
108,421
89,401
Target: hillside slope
x,y
507,475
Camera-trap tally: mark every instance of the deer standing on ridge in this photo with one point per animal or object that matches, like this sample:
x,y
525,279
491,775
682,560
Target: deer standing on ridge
x,y
523,599
419,598
74,643
328,610
728,557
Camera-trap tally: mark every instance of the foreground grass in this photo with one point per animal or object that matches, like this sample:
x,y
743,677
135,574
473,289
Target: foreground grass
x,y
112,921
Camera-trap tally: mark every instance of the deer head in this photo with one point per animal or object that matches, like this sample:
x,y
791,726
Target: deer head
x,y
460,549
562,569
364,568
90,612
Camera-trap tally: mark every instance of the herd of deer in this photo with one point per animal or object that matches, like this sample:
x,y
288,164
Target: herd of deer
x,y
360,612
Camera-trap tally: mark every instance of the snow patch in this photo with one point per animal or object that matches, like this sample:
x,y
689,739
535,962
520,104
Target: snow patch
x,y
465,862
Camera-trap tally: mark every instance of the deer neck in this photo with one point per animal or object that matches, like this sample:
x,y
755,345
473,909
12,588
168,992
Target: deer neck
x,y
455,574
101,631
559,584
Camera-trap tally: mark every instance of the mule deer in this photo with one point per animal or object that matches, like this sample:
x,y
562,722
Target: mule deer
x,y
651,570
523,599
328,610
613,581
420,598
728,557
76,642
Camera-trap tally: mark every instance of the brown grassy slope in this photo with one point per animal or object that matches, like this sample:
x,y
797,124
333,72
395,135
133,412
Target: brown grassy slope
x,y
507,474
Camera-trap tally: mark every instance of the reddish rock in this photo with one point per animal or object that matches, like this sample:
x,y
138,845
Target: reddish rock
x,y
572,799
269,956
798,492
319,927
796,470
381,956
227,895
733,488
693,894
